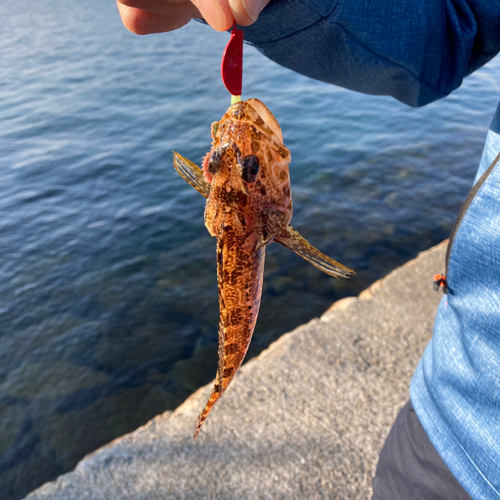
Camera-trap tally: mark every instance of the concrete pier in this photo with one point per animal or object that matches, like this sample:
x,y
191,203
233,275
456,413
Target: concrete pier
x,y
304,420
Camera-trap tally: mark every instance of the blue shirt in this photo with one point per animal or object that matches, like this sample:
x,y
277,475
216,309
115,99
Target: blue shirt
x,y
418,51
414,50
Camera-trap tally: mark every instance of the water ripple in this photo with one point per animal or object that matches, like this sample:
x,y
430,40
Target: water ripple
x,y
108,292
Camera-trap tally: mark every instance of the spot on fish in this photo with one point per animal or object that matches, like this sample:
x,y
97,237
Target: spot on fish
x,y
238,113
231,349
283,152
234,317
255,132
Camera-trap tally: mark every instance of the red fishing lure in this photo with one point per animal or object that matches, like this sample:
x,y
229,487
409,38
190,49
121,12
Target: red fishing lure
x,y
232,63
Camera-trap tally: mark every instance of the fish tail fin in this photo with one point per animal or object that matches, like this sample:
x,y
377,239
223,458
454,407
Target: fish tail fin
x,y
214,397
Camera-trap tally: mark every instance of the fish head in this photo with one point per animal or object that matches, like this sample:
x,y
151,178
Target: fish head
x,y
247,169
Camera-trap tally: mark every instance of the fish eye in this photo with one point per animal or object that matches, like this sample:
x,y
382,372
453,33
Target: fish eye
x,y
249,168
214,162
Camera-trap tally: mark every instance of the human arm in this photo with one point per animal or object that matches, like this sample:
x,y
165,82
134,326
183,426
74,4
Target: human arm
x,y
417,51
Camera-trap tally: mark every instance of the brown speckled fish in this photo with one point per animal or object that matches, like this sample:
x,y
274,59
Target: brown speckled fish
x,y
249,204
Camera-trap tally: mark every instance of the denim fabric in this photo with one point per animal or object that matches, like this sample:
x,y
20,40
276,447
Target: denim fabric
x,y
492,146
495,124
490,151
415,51
456,388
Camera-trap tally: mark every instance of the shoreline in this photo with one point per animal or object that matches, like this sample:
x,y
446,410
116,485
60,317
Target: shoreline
x,y
304,419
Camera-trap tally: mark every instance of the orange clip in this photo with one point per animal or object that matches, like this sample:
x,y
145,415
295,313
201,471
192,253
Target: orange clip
x,y
440,282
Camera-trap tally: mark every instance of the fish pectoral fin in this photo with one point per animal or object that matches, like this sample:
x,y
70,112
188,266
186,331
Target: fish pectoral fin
x,y
291,239
192,174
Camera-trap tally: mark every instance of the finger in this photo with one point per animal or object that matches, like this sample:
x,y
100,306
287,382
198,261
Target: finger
x,y
155,6
221,14
246,12
142,22
242,12
217,13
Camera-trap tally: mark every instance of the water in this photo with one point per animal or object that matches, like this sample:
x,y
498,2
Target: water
x,y
108,297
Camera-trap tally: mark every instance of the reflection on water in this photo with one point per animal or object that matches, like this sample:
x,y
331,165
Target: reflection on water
x,y
108,308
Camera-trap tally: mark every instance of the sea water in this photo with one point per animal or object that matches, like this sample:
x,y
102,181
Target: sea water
x,y
108,294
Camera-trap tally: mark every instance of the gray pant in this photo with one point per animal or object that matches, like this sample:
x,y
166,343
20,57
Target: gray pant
x,y
410,468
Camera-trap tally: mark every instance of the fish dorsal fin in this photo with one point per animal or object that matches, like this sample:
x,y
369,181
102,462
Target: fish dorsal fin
x,y
192,174
291,239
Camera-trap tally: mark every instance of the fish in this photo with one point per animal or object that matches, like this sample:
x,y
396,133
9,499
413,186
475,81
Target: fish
x,y
245,179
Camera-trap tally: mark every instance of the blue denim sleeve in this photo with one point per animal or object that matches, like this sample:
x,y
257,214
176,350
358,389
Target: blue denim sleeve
x,y
414,50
